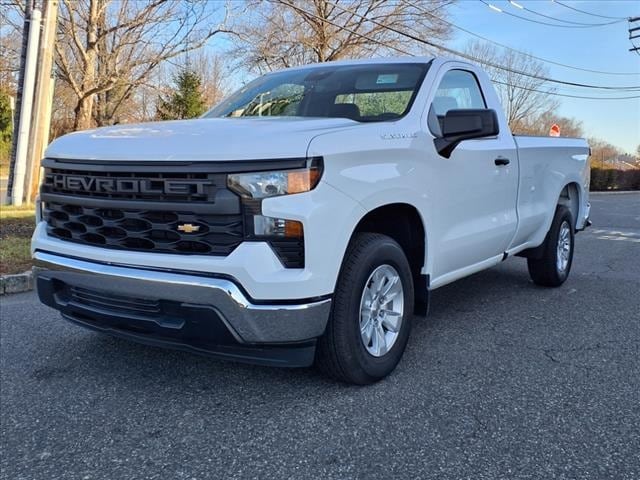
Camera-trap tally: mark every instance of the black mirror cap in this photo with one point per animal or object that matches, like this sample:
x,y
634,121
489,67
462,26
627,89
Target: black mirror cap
x,y
459,125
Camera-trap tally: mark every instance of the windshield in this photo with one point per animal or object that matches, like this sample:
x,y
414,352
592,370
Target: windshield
x,y
364,93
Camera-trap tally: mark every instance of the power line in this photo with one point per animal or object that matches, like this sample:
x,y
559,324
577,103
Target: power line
x,y
522,7
515,50
585,12
471,57
405,52
361,35
563,94
499,10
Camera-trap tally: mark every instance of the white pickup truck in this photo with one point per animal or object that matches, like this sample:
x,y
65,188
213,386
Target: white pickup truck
x,y
307,217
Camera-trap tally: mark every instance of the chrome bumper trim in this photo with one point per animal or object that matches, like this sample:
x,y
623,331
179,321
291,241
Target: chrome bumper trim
x,y
249,322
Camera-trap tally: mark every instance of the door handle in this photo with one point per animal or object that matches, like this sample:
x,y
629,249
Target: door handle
x,y
502,161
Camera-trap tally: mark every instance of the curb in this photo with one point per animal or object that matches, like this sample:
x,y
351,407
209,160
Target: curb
x,y
20,282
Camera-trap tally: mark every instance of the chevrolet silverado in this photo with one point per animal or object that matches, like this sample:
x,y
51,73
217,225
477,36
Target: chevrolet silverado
x,y
307,217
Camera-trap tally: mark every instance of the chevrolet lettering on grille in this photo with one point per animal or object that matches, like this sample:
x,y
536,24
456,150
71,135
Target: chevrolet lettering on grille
x,y
82,183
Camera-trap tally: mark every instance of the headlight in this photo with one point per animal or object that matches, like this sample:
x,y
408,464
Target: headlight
x,y
285,236
260,185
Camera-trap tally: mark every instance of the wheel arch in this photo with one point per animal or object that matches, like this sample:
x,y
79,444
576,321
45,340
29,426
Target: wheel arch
x,y
402,222
570,196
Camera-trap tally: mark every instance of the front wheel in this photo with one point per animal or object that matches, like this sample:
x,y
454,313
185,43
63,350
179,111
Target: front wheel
x,y
554,265
371,313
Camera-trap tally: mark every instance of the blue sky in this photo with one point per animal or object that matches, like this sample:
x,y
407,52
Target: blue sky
x,y
603,48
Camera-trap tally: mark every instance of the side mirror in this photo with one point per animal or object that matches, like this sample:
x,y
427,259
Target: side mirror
x,y
459,125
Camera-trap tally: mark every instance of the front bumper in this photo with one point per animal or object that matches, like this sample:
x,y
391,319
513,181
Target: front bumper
x,y
198,313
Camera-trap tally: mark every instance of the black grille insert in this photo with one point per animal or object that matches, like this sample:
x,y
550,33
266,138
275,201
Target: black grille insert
x,y
97,299
290,251
144,230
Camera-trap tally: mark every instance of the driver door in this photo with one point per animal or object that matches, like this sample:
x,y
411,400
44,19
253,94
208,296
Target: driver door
x,y
475,195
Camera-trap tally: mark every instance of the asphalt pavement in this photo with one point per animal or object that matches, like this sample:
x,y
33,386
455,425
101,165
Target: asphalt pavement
x,y
503,380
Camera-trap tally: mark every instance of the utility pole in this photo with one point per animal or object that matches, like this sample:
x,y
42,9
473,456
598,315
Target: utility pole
x,y
39,137
18,103
24,121
634,32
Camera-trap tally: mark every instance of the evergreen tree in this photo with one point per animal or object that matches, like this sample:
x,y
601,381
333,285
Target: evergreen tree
x,y
186,101
6,126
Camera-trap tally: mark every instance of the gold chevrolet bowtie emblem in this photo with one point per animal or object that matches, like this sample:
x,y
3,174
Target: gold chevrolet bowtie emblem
x,y
188,228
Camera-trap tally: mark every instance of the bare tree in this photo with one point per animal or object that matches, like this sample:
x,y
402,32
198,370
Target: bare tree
x,y
106,48
524,98
281,33
64,101
10,43
569,127
602,152
212,69
140,104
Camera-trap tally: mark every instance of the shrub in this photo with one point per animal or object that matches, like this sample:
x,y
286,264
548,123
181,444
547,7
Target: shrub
x,y
612,179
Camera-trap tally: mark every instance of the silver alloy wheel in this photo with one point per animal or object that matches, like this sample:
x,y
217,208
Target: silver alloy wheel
x,y
381,310
564,247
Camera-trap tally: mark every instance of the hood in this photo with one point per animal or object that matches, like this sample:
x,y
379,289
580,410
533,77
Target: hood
x,y
197,139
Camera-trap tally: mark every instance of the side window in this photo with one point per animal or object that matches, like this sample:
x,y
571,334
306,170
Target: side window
x,y
458,89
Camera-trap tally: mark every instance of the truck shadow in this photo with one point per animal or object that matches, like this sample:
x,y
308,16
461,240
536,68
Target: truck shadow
x,y
178,372
110,373
482,288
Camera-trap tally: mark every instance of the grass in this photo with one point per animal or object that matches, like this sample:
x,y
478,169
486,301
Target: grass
x,y
16,227
9,212
15,255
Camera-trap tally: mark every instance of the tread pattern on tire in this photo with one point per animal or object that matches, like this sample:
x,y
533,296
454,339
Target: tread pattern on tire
x,y
543,270
331,346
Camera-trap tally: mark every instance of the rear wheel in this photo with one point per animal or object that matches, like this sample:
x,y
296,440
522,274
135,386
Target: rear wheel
x,y
554,265
371,313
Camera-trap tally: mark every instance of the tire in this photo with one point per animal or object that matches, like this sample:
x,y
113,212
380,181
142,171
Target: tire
x,y
553,267
371,264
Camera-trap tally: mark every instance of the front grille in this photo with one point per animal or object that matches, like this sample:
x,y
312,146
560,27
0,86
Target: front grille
x,y
183,208
144,230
